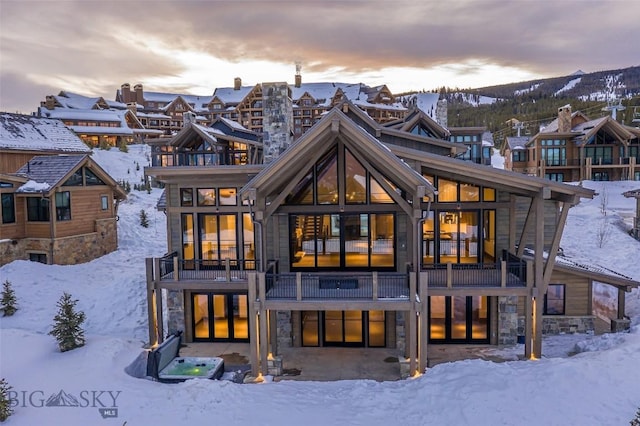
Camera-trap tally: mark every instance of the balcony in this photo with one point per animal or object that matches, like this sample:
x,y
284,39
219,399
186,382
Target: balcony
x,y
351,286
171,268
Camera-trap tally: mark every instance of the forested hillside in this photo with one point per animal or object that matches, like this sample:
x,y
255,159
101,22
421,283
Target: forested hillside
x,y
535,102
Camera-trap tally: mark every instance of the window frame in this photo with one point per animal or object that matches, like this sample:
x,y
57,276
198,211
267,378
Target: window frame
x,y
563,299
8,211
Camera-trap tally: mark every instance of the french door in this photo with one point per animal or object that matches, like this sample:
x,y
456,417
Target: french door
x,y
459,319
220,317
343,328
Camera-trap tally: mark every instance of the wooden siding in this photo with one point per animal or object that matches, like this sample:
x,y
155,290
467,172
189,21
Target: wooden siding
x,y
577,294
550,220
10,162
85,210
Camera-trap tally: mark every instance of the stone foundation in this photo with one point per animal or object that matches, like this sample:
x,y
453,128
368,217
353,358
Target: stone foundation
x,y
284,332
400,332
562,325
274,365
508,324
175,311
66,251
620,325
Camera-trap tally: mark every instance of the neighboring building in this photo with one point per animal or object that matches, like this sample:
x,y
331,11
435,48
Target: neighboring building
x,y
58,209
96,121
58,206
635,231
575,148
246,105
24,136
356,235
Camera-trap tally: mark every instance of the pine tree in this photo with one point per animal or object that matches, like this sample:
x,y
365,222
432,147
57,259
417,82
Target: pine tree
x,y
5,402
636,420
67,328
8,300
144,220
123,146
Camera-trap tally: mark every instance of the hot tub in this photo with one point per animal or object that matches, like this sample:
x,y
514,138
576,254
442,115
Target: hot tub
x,y
165,364
184,368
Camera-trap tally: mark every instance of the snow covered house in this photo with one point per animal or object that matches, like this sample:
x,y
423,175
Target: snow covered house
x,y
574,147
356,235
96,121
58,206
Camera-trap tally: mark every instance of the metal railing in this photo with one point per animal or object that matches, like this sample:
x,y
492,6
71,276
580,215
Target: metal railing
x,y
510,272
175,269
318,286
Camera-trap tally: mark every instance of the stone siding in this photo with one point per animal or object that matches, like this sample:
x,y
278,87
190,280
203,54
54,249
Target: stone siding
x,y
562,324
508,320
175,311
66,251
284,332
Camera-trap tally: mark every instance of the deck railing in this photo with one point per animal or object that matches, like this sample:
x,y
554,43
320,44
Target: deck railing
x,y
317,286
175,269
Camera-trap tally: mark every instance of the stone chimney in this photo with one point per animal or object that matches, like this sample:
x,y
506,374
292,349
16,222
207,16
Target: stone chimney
x,y
188,117
237,83
298,80
125,93
139,94
50,102
133,107
564,119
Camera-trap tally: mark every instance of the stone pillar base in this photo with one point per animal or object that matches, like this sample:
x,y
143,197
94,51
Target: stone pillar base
x,y
619,325
274,366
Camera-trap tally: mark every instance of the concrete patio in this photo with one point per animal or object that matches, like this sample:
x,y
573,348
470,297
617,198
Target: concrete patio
x,y
332,363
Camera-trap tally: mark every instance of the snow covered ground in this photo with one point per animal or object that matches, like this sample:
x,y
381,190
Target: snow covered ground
x,y
598,386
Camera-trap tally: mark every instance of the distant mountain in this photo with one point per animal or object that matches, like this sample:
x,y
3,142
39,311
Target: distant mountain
x,y
535,102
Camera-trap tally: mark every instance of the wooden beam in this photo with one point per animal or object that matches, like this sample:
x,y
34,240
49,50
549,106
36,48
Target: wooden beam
x,y
253,329
263,324
512,223
528,224
423,325
151,317
621,303
538,202
410,325
555,244
528,312
338,305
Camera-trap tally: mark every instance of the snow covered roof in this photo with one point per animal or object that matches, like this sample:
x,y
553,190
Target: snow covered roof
x,y
229,95
48,169
28,133
517,142
84,114
634,193
75,101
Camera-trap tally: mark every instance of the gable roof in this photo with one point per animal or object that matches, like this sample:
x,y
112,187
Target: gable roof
x,y
415,117
334,124
27,133
50,171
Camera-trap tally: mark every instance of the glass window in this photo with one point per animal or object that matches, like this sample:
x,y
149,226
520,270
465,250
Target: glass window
x,y
38,209
206,197
378,194
327,185
469,192
188,248
38,257
356,180
91,178
75,179
303,192
227,196
249,249
218,236
104,202
186,197
554,300
489,194
63,205
447,190
8,208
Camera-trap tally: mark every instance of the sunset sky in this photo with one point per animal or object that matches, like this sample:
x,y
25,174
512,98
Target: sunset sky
x,y
92,47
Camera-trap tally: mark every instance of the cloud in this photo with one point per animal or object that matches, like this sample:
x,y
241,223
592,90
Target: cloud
x,y
98,45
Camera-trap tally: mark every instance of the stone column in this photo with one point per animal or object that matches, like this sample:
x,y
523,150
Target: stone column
x,y
507,320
